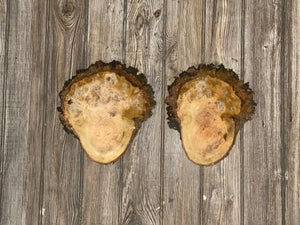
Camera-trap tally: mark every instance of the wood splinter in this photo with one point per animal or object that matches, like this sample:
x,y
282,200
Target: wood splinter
x,y
208,106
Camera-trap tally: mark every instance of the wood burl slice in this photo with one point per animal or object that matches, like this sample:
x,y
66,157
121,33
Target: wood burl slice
x,y
104,107
208,106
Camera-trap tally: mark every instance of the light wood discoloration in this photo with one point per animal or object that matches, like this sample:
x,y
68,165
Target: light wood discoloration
x,y
46,178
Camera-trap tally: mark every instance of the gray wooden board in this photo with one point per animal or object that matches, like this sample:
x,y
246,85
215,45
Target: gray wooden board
x,y
62,159
45,176
222,182
141,194
16,164
102,191
3,73
32,213
262,140
291,118
182,183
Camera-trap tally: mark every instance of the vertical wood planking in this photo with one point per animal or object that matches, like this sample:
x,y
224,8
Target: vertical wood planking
x,y
182,184
3,45
62,176
15,156
291,118
46,178
262,141
101,196
221,191
141,202
30,190
31,212
3,73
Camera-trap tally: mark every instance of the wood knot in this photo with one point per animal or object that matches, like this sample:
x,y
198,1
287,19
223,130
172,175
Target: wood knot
x,y
139,21
68,9
157,13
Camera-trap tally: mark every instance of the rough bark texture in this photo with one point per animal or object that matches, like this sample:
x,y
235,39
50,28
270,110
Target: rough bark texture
x,y
216,75
131,105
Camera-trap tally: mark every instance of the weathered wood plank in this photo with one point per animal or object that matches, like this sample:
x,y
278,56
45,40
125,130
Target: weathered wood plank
x,y
30,192
45,178
101,196
3,49
16,158
262,141
32,212
3,73
291,117
182,184
3,45
221,191
141,163
62,161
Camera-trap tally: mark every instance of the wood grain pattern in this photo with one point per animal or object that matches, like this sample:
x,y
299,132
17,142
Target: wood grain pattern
x,y
102,192
291,114
262,60
182,181
16,157
32,199
62,157
222,189
46,178
3,73
141,194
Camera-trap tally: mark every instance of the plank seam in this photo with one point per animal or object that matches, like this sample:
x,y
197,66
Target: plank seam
x,y
85,54
124,31
201,169
283,114
163,117
121,173
242,131
4,87
43,144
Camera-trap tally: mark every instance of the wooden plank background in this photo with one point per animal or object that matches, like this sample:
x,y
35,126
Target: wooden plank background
x,y
45,177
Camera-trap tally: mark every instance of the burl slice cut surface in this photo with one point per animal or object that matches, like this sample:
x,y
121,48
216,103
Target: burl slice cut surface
x,y
104,107
208,105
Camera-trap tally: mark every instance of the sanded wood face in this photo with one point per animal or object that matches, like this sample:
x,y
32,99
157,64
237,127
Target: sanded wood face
x,y
102,110
206,108
208,105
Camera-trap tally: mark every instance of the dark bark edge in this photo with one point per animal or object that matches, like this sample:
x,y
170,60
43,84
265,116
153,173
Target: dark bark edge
x,y
241,89
130,73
